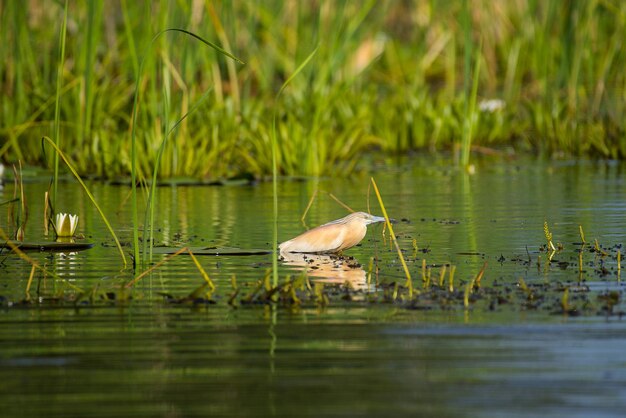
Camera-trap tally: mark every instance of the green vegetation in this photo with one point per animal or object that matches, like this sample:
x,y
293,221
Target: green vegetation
x,y
148,225
388,75
409,281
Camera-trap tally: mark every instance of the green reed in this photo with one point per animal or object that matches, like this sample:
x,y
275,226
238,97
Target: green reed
x,y
391,76
94,17
471,116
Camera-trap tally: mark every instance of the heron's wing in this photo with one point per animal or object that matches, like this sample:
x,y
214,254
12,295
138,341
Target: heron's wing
x,y
325,238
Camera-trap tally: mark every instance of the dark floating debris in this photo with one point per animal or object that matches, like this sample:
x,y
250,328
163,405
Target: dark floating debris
x,y
449,222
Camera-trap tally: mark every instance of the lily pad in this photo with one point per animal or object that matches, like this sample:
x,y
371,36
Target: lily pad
x,y
213,251
47,245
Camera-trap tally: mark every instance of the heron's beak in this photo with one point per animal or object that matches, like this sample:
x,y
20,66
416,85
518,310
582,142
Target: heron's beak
x,y
376,219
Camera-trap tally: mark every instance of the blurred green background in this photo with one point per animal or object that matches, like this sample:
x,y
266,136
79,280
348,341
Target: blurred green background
x,y
392,76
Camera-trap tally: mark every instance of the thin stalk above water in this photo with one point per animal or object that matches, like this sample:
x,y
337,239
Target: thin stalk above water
x,y
470,114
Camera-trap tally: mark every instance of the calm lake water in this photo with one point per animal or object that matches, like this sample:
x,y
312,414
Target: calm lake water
x,y
511,352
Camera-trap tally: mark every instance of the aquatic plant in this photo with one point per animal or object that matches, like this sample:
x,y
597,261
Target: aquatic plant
x,y
18,216
598,250
548,234
451,279
565,305
409,281
65,225
442,275
425,275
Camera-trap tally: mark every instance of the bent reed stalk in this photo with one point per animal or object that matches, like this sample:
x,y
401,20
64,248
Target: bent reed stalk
x,y
409,281
201,270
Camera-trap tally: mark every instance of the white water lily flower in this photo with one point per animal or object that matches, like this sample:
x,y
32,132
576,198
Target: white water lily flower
x,y
491,106
66,224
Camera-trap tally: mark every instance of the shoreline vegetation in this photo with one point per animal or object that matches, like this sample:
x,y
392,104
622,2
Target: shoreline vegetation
x,y
529,76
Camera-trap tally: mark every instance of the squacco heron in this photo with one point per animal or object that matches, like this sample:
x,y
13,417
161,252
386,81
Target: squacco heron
x,y
333,236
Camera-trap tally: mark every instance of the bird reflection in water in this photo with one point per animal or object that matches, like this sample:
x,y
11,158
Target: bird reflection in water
x,y
329,268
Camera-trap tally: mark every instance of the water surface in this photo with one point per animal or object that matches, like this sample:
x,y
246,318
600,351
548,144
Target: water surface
x,y
510,353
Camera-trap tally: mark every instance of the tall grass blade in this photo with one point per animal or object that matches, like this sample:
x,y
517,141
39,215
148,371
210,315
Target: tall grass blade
x,y
94,14
471,114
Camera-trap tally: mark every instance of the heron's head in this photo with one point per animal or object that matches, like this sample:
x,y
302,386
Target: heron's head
x,y
365,218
